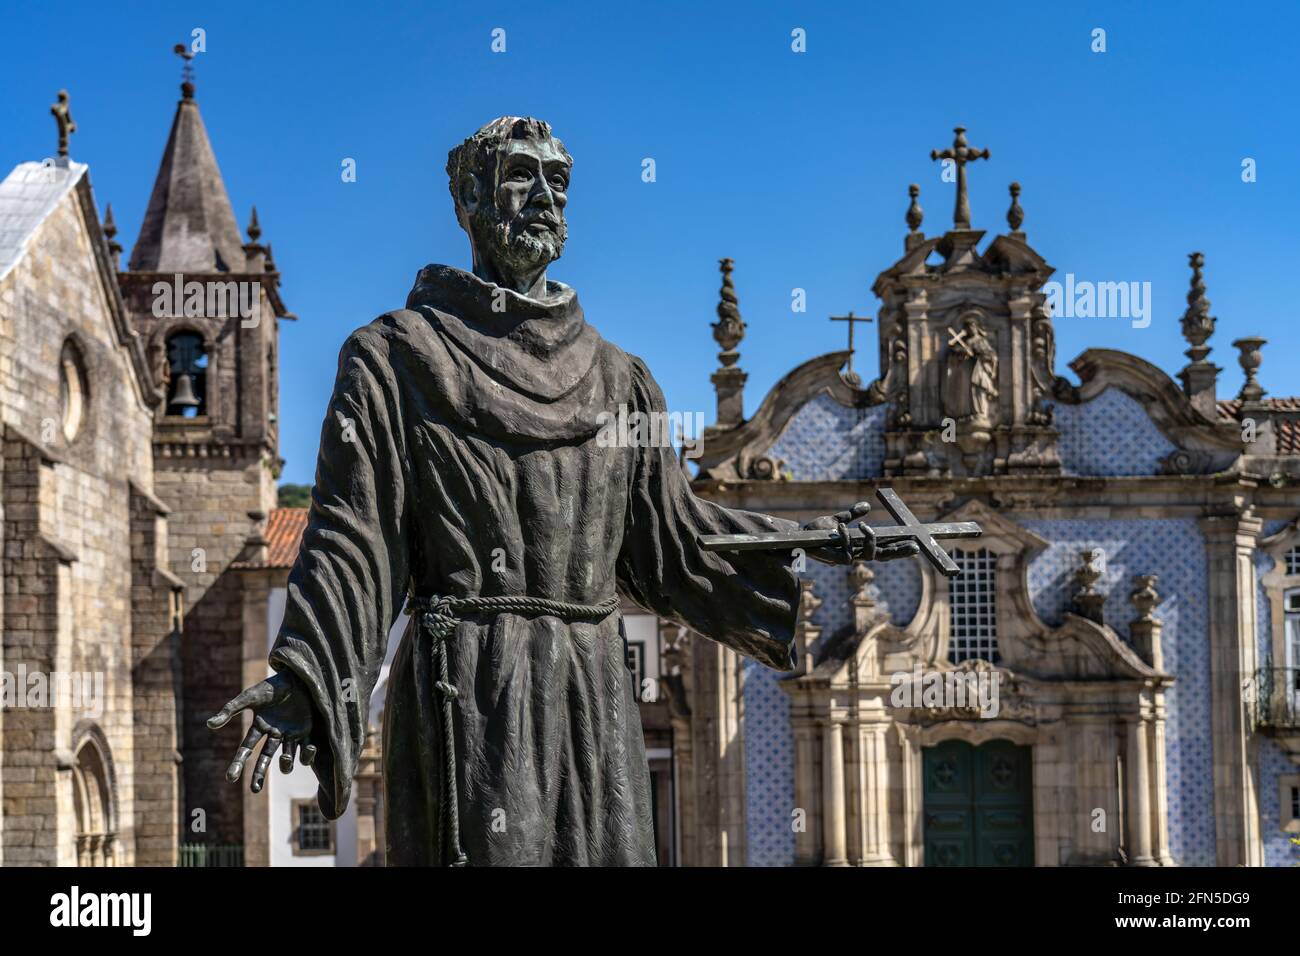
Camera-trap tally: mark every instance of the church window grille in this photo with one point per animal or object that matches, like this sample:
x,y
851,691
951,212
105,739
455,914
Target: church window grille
x,y
972,608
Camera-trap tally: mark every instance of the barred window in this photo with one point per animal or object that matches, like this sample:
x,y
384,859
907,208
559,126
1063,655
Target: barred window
x,y
972,608
1293,560
315,834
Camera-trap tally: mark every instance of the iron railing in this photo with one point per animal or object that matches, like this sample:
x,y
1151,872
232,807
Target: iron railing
x,y
1277,697
211,854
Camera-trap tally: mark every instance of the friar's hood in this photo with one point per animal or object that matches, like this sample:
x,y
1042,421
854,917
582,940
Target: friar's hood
x,y
515,367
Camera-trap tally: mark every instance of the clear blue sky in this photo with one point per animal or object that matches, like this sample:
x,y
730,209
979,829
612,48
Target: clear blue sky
x,y
795,165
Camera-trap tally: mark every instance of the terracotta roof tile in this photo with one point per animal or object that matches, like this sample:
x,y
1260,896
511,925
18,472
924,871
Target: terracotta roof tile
x,y
1288,429
1228,407
284,530
1288,437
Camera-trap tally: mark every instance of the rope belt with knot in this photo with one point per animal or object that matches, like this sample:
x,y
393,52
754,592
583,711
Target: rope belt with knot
x,y
438,618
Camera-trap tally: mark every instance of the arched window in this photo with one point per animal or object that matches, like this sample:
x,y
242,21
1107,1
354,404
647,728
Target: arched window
x,y
72,389
187,388
92,801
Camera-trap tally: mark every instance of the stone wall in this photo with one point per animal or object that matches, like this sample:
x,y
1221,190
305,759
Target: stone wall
x,y
213,472
67,531
210,498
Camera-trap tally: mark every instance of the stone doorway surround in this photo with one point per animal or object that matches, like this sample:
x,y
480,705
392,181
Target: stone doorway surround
x,y
1091,706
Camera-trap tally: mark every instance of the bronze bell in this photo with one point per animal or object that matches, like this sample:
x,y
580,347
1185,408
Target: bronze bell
x,y
185,397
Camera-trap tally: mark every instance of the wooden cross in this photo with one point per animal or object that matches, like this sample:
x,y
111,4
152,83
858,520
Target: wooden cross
x,y
960,153
850,318
926,536
65,122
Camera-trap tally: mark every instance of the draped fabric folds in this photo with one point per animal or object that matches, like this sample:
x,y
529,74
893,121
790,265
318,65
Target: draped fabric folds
x,y
462,454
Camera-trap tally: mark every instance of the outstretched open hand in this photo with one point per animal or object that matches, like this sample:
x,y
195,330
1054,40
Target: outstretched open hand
x,y
868,552
281,714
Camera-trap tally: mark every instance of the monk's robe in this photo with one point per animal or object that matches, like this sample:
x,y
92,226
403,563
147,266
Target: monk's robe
x,y
461,455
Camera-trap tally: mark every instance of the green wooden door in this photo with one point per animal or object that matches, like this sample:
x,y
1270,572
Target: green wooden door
x,y
978,804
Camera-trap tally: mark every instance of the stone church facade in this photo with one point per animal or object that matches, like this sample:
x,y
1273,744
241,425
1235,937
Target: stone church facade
x,y
1134,599
138,460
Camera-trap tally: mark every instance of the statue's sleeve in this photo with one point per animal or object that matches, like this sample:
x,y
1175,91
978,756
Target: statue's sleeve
x,y
350,579
745,600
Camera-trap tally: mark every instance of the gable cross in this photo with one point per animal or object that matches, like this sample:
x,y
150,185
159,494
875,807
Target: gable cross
x,y
961,153
851,318
65,122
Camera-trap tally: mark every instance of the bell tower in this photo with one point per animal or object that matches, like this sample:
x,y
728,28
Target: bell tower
x,y
206,305
967,348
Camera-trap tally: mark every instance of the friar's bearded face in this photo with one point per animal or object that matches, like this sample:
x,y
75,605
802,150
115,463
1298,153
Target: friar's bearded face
x,y
520,225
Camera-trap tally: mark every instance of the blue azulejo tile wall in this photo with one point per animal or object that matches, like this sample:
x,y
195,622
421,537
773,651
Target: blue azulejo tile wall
x,y
1174,550
1110,435
824,441
1273,764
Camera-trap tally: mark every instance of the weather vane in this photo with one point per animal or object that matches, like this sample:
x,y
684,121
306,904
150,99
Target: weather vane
x,y
187,71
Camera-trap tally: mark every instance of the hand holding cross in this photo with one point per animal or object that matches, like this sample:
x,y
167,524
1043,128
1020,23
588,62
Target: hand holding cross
x,y
907,537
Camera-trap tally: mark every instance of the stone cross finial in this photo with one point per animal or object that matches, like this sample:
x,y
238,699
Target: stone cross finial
x,y
67,126
1015,215
851,375
961,153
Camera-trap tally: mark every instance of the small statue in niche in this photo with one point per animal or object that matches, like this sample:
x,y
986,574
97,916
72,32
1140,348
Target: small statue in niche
x,y
970,382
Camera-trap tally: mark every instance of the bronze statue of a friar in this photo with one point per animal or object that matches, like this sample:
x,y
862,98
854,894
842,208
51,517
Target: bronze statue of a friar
x,y
460,476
